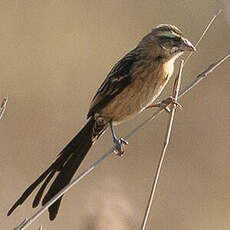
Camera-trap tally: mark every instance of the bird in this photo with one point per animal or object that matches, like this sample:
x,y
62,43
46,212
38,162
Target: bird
x,y
132,85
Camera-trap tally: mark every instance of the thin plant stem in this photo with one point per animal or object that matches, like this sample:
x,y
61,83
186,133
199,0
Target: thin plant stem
x,y
176,88
3,106
203,75
203,34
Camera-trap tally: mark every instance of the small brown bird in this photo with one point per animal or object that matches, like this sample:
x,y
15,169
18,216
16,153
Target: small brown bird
x,y
130,87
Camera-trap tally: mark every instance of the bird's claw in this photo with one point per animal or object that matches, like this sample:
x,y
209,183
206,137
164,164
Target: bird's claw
x,y
165,103
119,146
170,100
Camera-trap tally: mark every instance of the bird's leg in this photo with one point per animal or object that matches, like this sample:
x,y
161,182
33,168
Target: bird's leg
x,y
165,103
118,142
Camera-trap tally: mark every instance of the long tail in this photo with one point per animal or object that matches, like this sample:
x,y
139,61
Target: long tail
x,y
66,165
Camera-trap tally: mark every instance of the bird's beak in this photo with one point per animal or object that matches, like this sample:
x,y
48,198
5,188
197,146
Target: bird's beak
x,y
187,46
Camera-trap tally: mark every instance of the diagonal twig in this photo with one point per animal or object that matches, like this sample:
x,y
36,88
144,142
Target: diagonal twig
x,y
193,83
203,34
166,142
203,74
3,106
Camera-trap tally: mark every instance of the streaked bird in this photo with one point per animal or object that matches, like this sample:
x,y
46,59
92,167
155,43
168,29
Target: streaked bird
x,y
130,87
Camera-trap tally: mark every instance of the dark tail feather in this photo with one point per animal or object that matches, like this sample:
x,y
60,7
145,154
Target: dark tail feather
x,y
84,142
67,163
29,190
42,189
63,178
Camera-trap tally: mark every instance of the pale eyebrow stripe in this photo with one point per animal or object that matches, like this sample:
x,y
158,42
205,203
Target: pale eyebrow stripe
x,y
168,34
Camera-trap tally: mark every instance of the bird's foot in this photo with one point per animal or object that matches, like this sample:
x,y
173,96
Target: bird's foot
x,y
119,146
168,101
165,103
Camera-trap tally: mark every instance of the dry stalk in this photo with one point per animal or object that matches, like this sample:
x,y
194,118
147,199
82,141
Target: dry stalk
x,y
175,95
3,106
203,34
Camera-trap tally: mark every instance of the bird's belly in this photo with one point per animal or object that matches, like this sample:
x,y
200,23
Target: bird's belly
x,y
134,98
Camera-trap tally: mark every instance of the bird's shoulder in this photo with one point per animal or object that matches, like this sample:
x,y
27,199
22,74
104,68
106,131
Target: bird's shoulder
x,y
118,78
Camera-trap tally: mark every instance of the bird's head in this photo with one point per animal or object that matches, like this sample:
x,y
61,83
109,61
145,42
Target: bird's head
x,y
167,41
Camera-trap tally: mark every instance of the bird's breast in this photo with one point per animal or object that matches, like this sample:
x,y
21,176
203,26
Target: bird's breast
x,y
148,80
168,67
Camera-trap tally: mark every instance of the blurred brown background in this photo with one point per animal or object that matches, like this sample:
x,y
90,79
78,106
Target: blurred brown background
x,y
54,55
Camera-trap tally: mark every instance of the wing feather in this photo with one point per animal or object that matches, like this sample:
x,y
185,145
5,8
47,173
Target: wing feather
x,y
118,78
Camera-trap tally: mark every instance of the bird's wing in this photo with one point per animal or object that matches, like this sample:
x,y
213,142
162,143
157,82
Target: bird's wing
x,y
118,78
